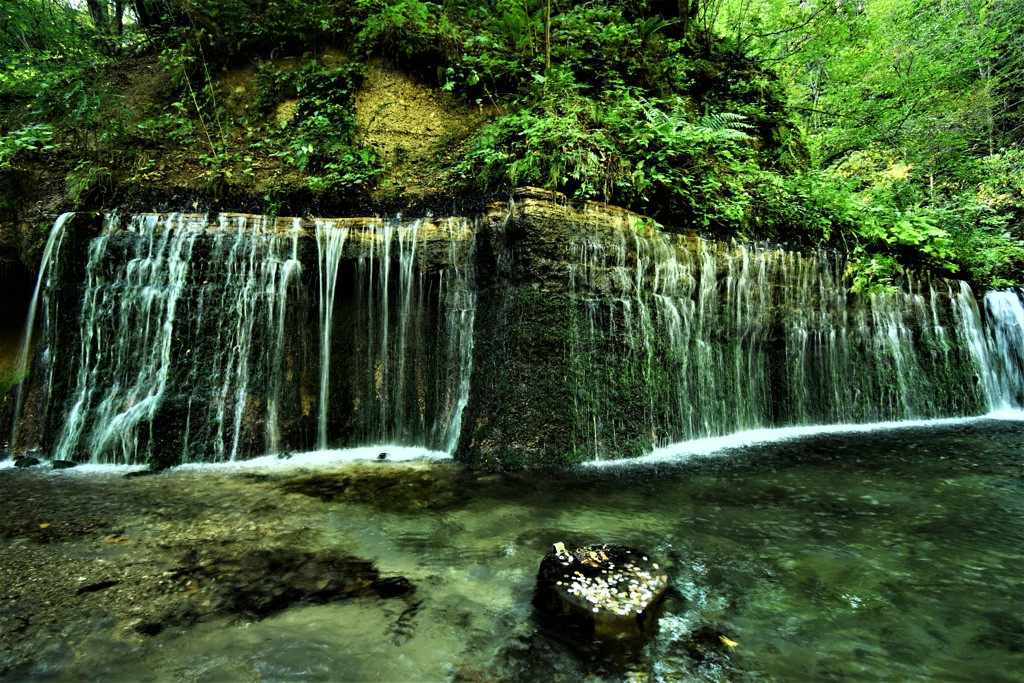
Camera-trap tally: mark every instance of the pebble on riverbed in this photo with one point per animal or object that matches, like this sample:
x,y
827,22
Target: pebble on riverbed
x,y
600,591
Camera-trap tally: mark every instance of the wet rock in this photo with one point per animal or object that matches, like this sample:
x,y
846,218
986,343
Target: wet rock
x,y
149,628
26,461
96,587
63,464
600,592
386,488
705,654
142,473
708,643
265,582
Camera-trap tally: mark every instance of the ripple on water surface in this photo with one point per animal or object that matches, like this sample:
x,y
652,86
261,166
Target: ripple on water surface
x,y
867,555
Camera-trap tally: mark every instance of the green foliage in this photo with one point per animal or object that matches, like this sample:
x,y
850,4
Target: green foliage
x,y
969,233
174,126
37,137
320,138
92,117
891,239
46,43
624,149
89,182
872,273
902,101
985,222
399,27
37,38
808,206
902,146
507,50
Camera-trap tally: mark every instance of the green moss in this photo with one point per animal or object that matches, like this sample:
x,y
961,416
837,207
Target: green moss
x,y
523,413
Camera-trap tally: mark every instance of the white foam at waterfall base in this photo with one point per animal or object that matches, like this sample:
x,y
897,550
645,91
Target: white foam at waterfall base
x,y
326,456
277,462
720,446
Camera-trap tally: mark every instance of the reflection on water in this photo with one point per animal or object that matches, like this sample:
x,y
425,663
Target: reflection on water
x,y
893,555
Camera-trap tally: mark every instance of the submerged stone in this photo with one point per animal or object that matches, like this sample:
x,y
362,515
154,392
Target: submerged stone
x,y
708,643
63,464
26,461
264,582
142,473
600,592
385,488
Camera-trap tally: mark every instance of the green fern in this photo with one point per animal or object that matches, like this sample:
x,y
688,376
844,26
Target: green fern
x,y
726,125
719,126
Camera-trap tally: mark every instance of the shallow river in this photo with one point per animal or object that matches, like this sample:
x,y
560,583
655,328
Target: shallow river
x,y
888,555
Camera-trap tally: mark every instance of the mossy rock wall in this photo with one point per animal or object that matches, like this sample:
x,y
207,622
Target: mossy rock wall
x,y
529,405
54,359
598,336
594,336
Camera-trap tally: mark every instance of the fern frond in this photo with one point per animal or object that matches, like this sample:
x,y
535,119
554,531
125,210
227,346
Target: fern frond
x,y
724,126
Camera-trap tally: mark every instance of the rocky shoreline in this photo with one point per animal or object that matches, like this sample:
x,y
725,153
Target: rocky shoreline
x,y
104,560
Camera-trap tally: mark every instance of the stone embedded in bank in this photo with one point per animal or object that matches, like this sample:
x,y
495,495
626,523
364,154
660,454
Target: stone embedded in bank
x,y
600,591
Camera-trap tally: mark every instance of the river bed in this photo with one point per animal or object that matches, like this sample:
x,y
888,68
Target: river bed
x,y
892,554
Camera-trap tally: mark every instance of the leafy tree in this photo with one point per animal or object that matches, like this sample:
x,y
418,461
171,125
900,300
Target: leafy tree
x,y
900,143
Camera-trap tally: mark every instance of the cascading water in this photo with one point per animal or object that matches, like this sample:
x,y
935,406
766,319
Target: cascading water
x,y
399,347
185,339
174,313
1005,337
52,248
330,242
195,342
998,347
694,339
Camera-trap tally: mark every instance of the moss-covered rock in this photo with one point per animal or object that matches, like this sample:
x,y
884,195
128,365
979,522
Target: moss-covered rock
x,y
531,401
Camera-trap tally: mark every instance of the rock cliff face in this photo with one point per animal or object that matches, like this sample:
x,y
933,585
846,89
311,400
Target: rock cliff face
x,y
598,336
542,333
525,406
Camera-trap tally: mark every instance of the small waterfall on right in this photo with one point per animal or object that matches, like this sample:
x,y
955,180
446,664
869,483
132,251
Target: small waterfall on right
x,y
681,338
1004,315
997,346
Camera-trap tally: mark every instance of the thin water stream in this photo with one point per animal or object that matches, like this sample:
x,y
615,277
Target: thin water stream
x,y
882,555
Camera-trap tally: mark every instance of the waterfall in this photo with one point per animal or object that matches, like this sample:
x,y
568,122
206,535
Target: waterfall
x,y
330,242
186,337
52,248
401,346
290,269
1004,313
195,341
458,292
170,319
682,338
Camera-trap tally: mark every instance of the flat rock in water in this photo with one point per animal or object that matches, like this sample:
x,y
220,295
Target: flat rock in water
x,y
601,591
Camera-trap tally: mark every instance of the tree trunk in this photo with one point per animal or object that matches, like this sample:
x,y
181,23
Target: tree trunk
x,y
547,38
119,17
100,16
